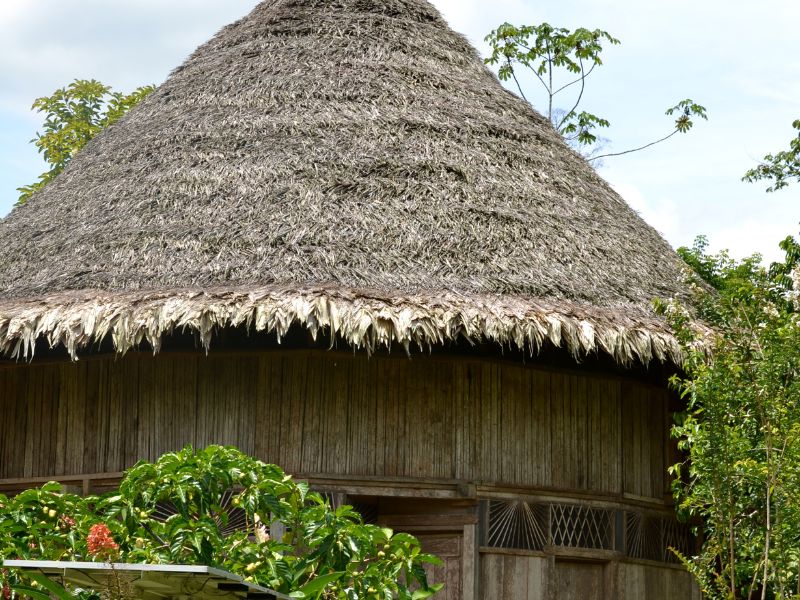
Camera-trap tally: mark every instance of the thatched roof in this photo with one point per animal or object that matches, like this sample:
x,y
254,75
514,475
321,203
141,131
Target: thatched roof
x,y
348,165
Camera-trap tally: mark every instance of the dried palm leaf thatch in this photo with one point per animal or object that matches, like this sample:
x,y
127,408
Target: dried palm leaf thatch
x,y
348,164
363,319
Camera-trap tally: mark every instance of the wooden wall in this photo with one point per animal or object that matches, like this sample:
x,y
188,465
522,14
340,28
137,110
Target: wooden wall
x,y
316,412
521,577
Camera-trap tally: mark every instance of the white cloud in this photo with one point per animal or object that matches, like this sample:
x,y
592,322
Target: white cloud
x,y
661,214
750,236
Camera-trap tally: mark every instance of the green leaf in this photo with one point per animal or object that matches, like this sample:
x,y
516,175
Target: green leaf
x,y
320,583
51,586
30,592
421,594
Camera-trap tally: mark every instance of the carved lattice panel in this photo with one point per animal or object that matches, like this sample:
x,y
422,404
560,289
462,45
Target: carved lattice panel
x,y
643,536
235,520
576,526
678,536
651,536
368,511
517,524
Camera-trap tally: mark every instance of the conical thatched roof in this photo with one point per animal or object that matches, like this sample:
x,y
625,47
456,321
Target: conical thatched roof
x,y
344,164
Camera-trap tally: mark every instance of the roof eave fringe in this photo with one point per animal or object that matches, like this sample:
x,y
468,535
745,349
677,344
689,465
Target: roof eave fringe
x,y
364,322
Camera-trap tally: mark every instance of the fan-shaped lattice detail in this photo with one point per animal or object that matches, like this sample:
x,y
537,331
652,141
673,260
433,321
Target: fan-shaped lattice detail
x,y
643,536
651,536
678,536
517,524
368,512
236,517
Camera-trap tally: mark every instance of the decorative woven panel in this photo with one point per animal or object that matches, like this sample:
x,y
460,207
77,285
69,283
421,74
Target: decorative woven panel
x,y
517,524
576,526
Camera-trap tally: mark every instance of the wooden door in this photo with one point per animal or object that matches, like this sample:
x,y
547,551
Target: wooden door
x,y
578,581
448,547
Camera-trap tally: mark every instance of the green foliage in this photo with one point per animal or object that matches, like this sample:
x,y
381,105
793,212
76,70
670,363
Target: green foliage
x,y
686,109
741,431
782,167
317,552
545,50
73,116
550,53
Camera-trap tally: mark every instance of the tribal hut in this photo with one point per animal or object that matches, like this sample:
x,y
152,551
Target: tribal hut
x,y
332,239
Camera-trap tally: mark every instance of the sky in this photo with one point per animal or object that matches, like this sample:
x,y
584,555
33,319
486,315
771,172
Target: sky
x,y
739,59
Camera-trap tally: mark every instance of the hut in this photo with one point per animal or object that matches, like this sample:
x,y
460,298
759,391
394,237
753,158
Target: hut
x,y
333,239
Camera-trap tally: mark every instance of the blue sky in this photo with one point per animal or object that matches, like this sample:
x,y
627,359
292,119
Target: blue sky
x,y
739,59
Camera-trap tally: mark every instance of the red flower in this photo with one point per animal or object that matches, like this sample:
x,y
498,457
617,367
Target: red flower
x,y
6,590
99,541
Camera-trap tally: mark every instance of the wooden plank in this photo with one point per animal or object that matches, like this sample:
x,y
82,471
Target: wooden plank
x,y
129,379
632,441
147,399
378,387
247,389
541,421
492,576
16,383
391,455
261,409
471,407
513,451
445,441
515,577
336,418
579,581
644,412
74,407
580,432
616,461
537,577
314,414
596,435
558,431
470,563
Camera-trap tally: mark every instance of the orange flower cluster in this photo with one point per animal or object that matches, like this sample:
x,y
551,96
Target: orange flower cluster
x,y
99,541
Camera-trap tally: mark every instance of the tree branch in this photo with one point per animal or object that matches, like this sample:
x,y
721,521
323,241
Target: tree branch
x,y
578,101
665,138
565,86
519,87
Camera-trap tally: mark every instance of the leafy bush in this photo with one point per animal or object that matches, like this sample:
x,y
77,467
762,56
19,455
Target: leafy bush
x,y
180,510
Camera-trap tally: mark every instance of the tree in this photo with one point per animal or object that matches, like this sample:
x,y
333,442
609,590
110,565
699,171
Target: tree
x,y
741,430
780,168
287,538
551,53
73,116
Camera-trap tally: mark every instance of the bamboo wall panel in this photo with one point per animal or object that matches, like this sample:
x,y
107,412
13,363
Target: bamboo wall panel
x,y
509,576
332,413
580,581
637,581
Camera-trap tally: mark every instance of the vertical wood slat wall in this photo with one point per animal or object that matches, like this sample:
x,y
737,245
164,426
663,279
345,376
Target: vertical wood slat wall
x,y
332,413
535,578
